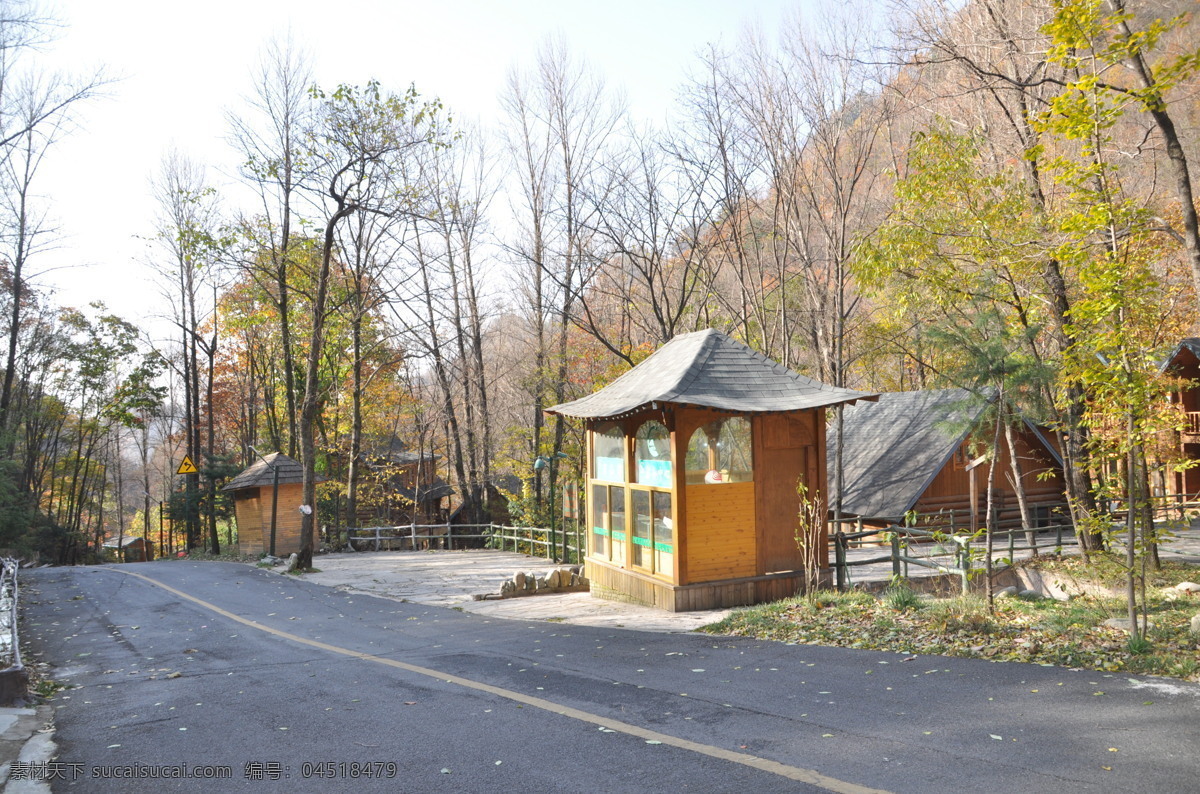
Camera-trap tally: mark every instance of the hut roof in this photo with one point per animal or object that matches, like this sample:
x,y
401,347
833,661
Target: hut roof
x,y
128,540
260,474
894,448
1189,343
435,491
708,369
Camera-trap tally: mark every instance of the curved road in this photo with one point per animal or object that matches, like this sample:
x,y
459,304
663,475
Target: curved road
x,y
181,671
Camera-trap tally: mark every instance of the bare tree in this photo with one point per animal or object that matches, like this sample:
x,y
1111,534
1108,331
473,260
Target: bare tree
x,y
357,142
187,228
563,119
271,139
34,107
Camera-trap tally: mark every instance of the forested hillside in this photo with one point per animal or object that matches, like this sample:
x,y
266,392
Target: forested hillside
x,y
997,196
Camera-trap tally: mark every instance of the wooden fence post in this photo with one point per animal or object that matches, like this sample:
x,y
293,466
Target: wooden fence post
x,y
964,562
896,554
839,558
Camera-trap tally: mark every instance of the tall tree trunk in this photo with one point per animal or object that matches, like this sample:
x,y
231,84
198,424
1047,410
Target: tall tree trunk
x,y
211,351
1018,484
310,407
990,516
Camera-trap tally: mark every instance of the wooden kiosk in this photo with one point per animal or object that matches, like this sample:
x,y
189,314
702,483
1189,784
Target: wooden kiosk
x,y
694,457
255,500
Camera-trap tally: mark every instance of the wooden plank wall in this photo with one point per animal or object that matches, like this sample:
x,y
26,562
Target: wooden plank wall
x,y
788,447
247,508
720,525
287,520
254,521
628,586
950,489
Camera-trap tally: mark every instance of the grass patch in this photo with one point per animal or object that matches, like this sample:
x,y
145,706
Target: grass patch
x,y
901,598
1040,631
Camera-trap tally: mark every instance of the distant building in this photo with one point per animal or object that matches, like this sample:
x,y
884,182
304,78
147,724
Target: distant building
x,y
129,549
910,451
403,488
1184,363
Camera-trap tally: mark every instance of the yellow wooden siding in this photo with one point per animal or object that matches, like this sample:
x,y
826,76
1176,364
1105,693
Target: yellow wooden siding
x,y
720,531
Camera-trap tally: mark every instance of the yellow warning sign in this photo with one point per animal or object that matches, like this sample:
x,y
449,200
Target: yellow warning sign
x,y
187,467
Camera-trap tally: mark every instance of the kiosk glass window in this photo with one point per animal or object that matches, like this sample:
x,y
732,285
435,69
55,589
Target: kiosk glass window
x,y
608,450
641,529
616,523
720,452
734,449
600,531
653,455
664,533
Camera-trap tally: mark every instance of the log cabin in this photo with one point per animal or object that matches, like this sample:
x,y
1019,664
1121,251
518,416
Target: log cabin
x,y
693,462
403,488
1184,363
910,451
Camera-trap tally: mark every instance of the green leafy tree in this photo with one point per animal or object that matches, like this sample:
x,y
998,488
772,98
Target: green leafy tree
x,y
1108,240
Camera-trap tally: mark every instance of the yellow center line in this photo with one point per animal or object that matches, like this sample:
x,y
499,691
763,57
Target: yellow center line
x,y
809,776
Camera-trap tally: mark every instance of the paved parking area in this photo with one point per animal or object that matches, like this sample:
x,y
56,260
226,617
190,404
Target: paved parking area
x,y
455,578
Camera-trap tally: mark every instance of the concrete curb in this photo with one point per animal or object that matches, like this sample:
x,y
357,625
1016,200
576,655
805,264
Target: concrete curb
x,y
28,738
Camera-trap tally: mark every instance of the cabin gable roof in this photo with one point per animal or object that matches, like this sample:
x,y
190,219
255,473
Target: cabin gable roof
x,y
894,448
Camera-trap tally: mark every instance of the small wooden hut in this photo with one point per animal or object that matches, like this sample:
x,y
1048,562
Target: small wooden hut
x,y
254,502
129,549
693,461
911,450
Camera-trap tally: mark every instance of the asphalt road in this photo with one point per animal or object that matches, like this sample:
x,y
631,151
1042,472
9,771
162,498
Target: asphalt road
x,y
292,686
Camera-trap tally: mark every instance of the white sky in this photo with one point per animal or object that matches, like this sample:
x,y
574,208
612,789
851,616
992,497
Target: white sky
x,y
183,65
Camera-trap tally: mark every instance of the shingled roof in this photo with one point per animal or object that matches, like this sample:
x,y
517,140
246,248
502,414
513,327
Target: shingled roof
x,y
1189,343
260,475
896,446
708,369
